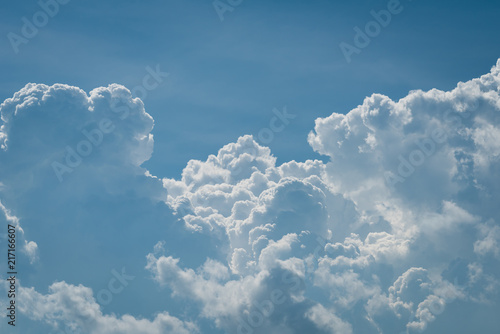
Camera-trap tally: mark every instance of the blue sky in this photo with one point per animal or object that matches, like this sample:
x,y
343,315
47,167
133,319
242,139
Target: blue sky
x,y
231,74
181,216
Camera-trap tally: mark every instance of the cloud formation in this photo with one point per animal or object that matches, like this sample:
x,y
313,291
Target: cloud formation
x,y
29,248
73,309
396,233
59,133
405,179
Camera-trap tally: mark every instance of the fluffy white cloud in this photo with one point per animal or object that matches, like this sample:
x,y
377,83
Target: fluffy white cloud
x,y
64,111
73,309
276,221
326,319
105,136
425,148
30,248
58,133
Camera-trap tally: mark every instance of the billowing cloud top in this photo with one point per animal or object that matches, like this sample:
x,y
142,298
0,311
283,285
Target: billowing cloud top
x,y
397,233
